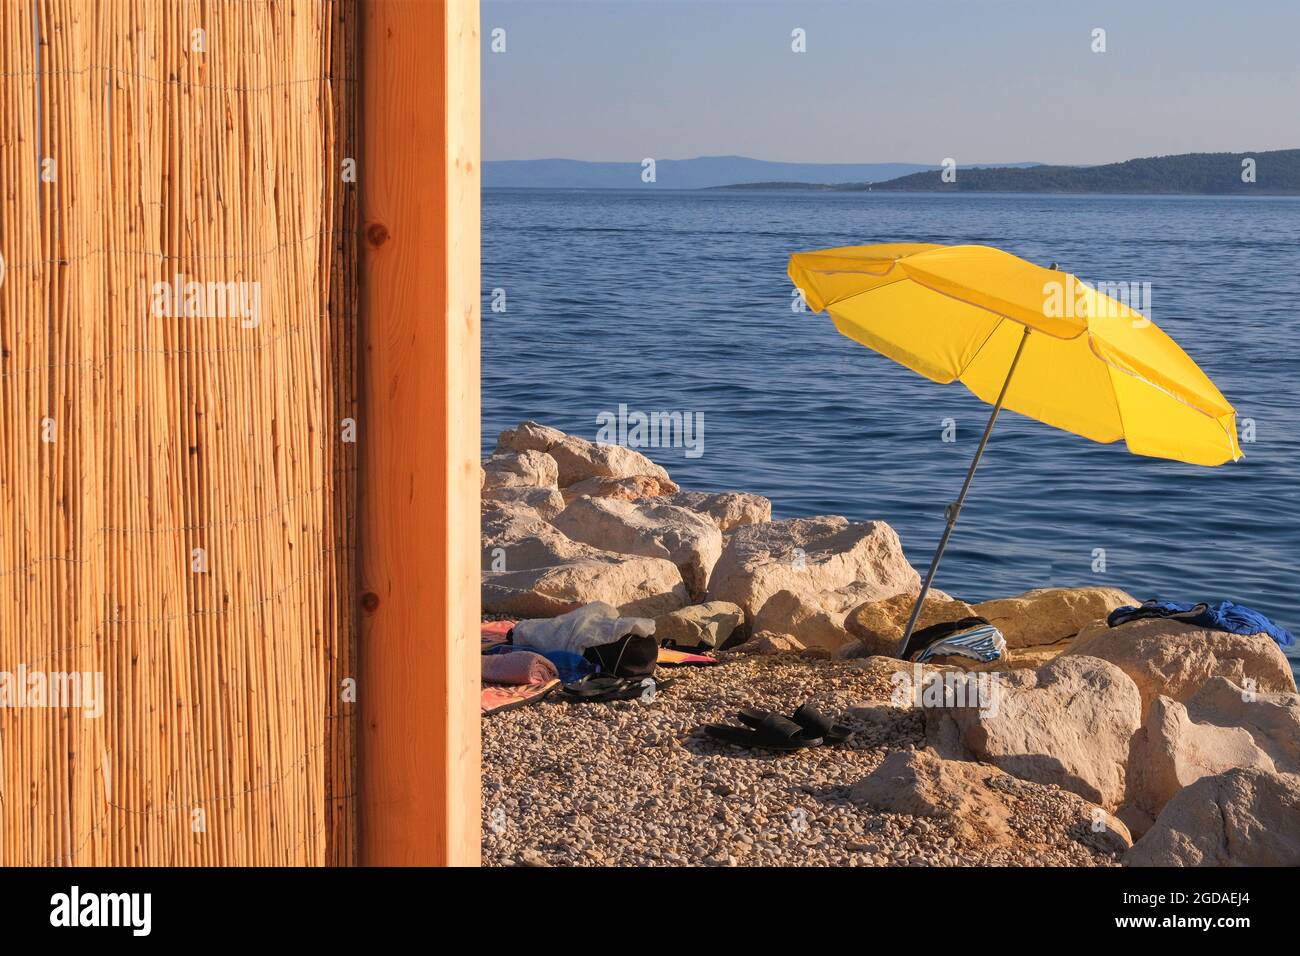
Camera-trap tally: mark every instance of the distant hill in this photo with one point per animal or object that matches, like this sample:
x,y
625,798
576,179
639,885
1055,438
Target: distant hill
x,y
1277,172
700,173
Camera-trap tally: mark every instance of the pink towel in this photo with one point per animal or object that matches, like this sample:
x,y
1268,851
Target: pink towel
x,y
494,698
517,667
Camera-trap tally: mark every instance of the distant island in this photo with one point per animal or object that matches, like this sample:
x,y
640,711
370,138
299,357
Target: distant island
x,y
702,172
1275,173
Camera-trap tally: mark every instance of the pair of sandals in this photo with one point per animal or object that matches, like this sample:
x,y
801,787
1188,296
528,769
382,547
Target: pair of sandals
x,y
765,730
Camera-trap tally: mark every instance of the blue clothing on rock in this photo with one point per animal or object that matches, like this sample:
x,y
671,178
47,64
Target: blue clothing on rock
x,y
1224,616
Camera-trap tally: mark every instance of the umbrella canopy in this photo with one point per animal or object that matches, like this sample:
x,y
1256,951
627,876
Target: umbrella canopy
x,y
1035,340
1092,365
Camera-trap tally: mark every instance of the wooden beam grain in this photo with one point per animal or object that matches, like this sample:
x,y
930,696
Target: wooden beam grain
x,y
419,178
464,216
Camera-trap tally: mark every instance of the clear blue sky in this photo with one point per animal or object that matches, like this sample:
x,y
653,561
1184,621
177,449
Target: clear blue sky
x,y
908,81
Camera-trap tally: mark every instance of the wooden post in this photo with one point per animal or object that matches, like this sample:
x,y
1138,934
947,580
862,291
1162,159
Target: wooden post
x,y
418,433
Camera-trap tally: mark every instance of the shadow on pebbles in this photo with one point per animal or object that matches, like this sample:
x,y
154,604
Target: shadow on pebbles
x,y
636,783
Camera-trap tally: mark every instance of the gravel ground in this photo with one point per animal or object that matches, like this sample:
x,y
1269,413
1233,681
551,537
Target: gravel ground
x,y
637,783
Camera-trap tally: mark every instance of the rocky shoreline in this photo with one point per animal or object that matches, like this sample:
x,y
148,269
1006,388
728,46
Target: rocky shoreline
x,y
1182,739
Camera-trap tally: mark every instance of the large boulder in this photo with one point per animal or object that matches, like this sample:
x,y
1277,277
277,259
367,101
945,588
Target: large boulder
x,y
649,529
631,488
809,556
576,458
1068,723
1221,727
523,468
1176,659
818,619
1236,818
531,569
727,509
878,625
699,625
1046,615
529,436
1273,720
544,503
981,801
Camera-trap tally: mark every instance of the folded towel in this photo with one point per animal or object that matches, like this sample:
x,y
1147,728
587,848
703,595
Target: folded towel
x,y
521,667
570,667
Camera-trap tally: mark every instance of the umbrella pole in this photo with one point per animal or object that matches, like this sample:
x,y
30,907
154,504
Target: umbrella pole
x,y
953,510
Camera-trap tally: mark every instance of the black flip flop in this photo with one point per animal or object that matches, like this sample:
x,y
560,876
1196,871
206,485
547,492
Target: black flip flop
x,y
767,731
815,722
599,689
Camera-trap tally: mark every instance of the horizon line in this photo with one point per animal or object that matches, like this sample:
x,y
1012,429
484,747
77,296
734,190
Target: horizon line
x,y
884,162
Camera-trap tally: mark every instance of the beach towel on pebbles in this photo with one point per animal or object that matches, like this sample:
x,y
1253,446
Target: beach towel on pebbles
x,y
515,680
589,626
523,667
495,698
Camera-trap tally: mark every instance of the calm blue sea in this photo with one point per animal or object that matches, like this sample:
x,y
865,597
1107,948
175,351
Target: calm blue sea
x,y
679,301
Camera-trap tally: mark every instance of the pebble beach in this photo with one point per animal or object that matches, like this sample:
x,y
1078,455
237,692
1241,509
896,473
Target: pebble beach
x,y
1092,739
635,783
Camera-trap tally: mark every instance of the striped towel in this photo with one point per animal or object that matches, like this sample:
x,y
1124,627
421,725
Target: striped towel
x,y
983,643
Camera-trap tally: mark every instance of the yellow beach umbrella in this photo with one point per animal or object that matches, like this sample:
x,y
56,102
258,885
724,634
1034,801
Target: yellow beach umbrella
x,y
1032,339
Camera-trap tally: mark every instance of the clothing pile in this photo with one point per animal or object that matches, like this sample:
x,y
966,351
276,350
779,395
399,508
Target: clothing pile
x,y
1224,616
591,654
971,637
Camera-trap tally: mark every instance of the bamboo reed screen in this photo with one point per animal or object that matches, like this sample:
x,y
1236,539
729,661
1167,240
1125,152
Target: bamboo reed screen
x,y
176,482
